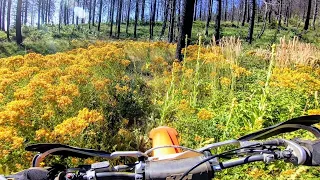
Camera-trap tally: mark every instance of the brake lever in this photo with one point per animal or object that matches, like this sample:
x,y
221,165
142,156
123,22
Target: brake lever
x,y
298,151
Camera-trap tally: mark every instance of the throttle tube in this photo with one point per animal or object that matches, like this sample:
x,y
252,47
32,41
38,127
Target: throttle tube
x,y
174,169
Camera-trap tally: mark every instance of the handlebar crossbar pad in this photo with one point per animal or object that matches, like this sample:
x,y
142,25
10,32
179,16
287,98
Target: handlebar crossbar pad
x,y
174,169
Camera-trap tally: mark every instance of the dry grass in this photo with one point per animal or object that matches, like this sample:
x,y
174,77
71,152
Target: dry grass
x,y
231,48
293,52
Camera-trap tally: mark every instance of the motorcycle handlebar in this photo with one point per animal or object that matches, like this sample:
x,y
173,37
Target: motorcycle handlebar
x,y
112,175
176,168
162,170
241,161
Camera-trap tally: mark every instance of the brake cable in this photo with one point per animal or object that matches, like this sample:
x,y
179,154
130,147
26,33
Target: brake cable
x,y
218,155
172,146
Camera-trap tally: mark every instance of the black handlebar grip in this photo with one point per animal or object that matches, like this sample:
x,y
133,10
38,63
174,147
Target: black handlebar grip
x,y
173,169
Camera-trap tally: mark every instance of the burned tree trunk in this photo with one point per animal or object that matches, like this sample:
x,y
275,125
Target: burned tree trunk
x,y
8,19
3,13
244,13
218,21
128,17
186,26
143,5
39,13
119,17
280,14
152,18
195,10
226,10
306,24
165,17
94,12
0,13
90,13
18,22
172,15
209,17
100,14
315,13
253,13
111,16
136,19
25,13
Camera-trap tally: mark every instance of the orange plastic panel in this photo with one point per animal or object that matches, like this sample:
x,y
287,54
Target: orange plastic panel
x,y
162,136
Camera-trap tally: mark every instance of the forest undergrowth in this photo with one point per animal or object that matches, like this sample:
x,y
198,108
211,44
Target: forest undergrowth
x,y
110,95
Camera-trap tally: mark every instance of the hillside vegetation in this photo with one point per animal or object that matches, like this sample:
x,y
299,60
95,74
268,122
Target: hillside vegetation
x,y
109,95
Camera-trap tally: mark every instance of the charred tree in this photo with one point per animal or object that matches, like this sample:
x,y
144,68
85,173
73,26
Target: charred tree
x,y
315,13
172,15
280,13
46,12
218,21
152,18
143,6
287,13
306,24
248,11
200,10
232,12
39,13
43,11
100,14
119,18
195,10
244,12
111,16
90,13
18,22
26,12
128,16
94,12
251,27
3,14
186,26
77,18
60,15
0,13
8,19
136,19
270,15
73,13
165,17
178,18
209,17
226,10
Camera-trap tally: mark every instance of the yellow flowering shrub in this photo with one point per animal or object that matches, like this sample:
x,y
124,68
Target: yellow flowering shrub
x,y
204,114
314,112
58,97
300,78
